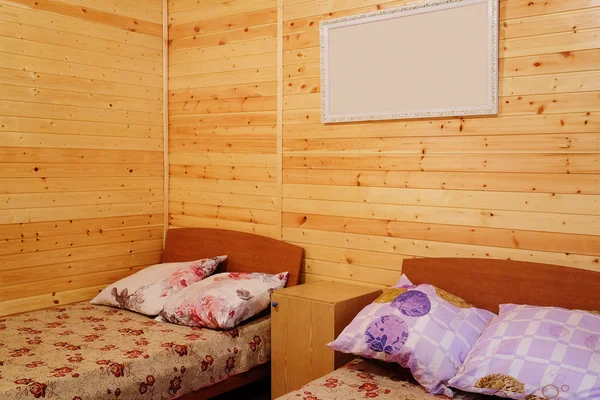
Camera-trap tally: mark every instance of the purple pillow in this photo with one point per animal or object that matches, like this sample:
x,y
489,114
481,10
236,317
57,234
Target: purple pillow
x,y
535,353
420,327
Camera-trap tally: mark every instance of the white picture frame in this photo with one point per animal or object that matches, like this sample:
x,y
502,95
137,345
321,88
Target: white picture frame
x,y
423,60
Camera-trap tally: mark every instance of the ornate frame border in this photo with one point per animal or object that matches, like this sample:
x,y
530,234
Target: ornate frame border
x,y
410,9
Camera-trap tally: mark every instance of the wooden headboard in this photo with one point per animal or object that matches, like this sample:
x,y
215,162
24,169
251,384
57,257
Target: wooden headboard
x,y
487,283
246,252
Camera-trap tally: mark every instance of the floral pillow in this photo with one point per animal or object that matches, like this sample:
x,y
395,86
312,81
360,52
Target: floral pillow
x,y
422,328
146,291
224,300
535,353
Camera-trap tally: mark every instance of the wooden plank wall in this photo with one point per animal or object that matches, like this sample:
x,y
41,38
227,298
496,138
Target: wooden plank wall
x,y
223,115
361,197
81,147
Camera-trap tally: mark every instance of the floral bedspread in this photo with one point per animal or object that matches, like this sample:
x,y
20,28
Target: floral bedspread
x,y
362,379
81,351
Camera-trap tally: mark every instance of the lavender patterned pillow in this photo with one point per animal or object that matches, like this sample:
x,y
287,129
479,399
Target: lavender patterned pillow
x,y
535,353
420,327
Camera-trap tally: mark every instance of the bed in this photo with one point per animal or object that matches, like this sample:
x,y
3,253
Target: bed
x,y
483,283
82,351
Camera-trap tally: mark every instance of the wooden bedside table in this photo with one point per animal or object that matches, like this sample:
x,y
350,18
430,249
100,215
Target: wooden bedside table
x,y
304,319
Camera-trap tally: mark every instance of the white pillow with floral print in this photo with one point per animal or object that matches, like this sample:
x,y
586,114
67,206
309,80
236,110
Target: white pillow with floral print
x,y
147,291
224,300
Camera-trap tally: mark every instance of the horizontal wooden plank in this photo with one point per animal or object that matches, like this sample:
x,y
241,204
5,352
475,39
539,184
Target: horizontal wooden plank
x,y
300,56
252,202
224,64
306,70
224,146
361,273
199,222
123,8
267,74
260,46
258,118
220,213
79,156
533,202
44,200
85,57
518,163
62,23
224,186
26,139
486,217
60,185
352,256
482,181
550,103
301,86
93,15
219,10
47,170
57,256
77,41
225,159
77,113
85,128
232,132
552,43
262,89
77,226
502,125
423,248
25,290
244,104
552,83
34,244
45,272
226,37
550,143
481,236
67,98
51,213
48,300
567,61
255,174
185,5
75,78
232,22
524,8
550,23
313,278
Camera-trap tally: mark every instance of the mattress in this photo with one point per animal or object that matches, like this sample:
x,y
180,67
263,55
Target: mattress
x,y
82,351
362,379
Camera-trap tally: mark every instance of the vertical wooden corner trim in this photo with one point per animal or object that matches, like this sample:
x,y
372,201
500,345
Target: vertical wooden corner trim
x,y
165,34
280,118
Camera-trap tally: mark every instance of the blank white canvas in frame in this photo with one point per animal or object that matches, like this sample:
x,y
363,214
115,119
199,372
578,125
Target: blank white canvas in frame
x,y
424,60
